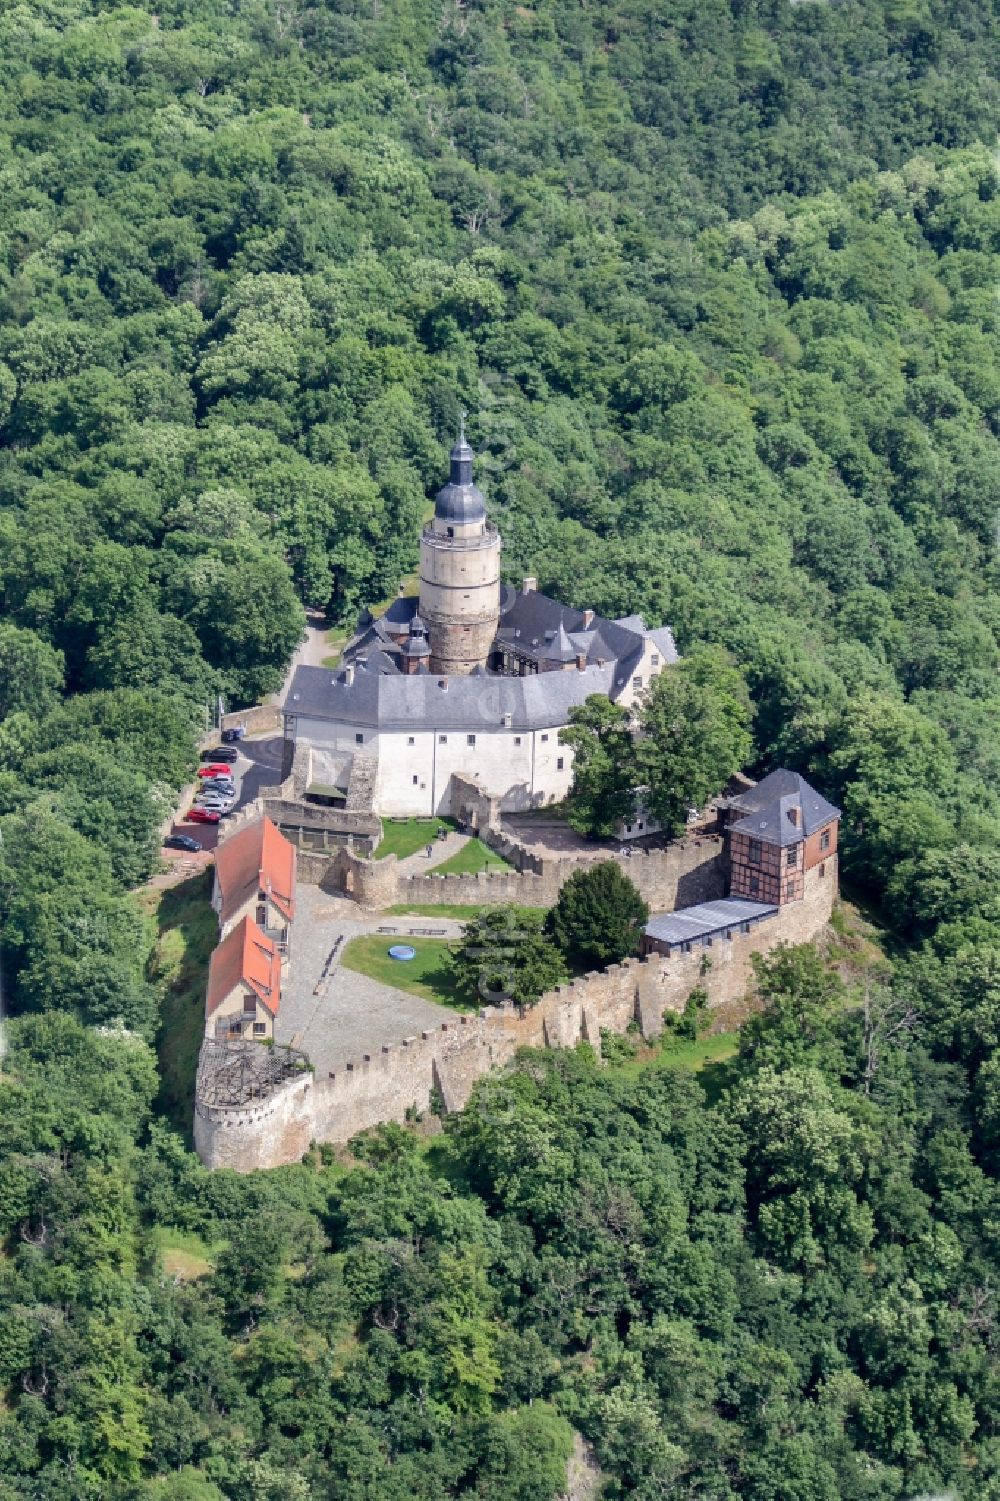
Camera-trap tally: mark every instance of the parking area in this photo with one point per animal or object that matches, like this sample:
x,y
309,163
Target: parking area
x,y
258,767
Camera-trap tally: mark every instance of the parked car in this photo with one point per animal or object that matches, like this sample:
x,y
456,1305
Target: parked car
x,y
220,753
218,784
215,769
182,842
203,815
220,804
235,734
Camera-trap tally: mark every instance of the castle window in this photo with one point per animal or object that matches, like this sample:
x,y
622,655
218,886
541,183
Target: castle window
x,y
822,869
753,854
654,660
517,740
754,885
359,740
442,740
824,840
637,683
411,740
792,857
544,738
415,780
451,531
259,1028
470,739
559,763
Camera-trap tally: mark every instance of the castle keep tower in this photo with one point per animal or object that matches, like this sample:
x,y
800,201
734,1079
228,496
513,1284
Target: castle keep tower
x,y
460,572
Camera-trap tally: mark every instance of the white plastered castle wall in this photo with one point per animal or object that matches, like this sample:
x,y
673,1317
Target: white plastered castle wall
x,y
521,767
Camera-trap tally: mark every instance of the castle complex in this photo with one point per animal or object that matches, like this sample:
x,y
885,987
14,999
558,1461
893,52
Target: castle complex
x,y
471,678
452,703
261,1106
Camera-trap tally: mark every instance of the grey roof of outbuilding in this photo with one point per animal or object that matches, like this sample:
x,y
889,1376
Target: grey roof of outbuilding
x,y
391,701
706,919
768,804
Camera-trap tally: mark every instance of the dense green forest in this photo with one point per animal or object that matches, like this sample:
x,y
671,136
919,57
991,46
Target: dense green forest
x,y
716,283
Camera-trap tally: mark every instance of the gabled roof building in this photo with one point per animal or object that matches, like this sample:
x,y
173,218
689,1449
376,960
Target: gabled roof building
x,y
244,984
255,876
776,832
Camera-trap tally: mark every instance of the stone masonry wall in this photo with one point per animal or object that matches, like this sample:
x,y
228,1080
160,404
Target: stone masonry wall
x,y
680,875
255,720
449,1059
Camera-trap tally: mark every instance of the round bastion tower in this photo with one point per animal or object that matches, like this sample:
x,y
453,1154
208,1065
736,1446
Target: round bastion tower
x,y
460,572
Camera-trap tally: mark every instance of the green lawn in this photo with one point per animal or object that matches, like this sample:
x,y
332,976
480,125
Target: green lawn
x,y
428,909
183,1254
428,975
470,860
404,836
709,1057
188,931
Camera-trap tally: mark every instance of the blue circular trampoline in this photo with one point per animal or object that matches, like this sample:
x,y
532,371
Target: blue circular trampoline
x,y
402,951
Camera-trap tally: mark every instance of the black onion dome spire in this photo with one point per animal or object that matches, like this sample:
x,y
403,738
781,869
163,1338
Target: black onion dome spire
x,y
460,499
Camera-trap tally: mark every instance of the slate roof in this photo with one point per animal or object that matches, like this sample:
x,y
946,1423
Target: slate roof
x,y
705,920
245,956
531,623
389,702
256,858
769,807
460,499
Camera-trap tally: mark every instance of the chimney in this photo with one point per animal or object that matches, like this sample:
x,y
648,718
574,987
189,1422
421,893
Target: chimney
x,y
401,591
588,619
581,661
530,584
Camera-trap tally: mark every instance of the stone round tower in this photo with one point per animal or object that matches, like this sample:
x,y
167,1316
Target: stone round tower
x,y
460,572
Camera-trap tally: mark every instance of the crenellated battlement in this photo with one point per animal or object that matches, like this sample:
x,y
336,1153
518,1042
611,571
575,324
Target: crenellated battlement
x,y
405,1076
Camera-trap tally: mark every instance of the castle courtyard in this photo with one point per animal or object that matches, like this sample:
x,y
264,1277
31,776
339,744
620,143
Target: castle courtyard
x,y
341,1017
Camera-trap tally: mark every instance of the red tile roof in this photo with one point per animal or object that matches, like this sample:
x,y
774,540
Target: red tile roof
x,y
245,956
256,858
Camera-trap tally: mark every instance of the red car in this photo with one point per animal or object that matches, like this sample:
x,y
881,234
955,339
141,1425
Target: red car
x,y
203,815
213,770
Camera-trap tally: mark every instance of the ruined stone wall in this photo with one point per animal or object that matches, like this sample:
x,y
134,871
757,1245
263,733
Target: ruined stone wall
x,y
471,805
261,717
690,871
449,1059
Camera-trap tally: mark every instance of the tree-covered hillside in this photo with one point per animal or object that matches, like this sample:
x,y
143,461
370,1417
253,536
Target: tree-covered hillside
x,y
716,284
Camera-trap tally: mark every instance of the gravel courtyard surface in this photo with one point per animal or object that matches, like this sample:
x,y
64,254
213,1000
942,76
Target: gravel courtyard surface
x,y
352,1015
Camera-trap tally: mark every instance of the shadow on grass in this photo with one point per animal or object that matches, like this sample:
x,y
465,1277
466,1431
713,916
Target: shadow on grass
x,y
187,932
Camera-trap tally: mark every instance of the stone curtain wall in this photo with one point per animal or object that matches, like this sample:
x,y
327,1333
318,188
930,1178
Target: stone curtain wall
x,y
678,876
449,1059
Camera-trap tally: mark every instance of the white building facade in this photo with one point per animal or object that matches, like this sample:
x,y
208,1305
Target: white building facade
x,y
391,711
